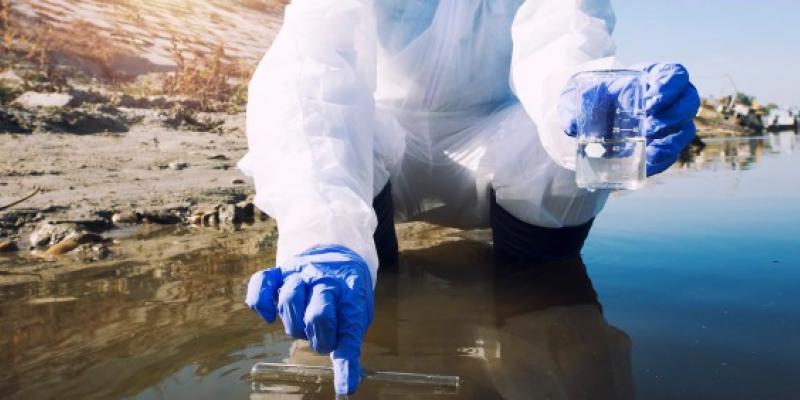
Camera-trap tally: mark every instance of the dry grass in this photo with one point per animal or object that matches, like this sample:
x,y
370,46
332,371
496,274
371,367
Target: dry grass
x,y
216,84
47,50
47,57
5,18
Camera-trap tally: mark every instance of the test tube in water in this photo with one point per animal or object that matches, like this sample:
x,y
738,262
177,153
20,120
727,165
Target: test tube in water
x,y
265,371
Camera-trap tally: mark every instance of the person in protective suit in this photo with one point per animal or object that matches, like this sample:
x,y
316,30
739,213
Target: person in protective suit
x,y
457,112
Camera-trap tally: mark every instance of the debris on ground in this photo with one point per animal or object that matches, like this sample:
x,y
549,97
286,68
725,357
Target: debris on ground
x,y
178,165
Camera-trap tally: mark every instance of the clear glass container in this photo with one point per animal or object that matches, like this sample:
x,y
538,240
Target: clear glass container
x,y
610,130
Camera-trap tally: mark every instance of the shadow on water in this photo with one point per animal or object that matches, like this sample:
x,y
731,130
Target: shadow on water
x,y
510,331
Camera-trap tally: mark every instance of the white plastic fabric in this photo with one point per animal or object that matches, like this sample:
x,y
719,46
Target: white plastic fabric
x,y
444,99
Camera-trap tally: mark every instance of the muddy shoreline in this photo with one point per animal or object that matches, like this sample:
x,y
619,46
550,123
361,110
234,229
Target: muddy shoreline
x,y
91,193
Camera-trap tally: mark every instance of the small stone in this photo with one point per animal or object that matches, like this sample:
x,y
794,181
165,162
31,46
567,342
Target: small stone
x,y
10,76
33,100
73,242
63,247
238,181
51,233
178,165
125,217
8,246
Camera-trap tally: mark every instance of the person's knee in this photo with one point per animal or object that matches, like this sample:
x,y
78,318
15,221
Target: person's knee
x,y
516,240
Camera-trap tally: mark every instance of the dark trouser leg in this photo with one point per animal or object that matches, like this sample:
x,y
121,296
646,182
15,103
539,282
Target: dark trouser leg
x,y
385,237
515,240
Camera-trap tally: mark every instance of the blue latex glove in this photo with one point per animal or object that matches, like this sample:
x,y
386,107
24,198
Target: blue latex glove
x,y
325,296
670,101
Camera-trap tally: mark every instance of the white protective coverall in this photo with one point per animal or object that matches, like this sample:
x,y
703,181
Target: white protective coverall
x,y
445,99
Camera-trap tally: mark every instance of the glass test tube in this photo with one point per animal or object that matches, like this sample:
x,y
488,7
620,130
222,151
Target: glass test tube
x,y
318,374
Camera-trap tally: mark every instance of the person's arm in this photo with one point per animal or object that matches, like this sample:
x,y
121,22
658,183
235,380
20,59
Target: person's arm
x,y
310,121
553,40
310,130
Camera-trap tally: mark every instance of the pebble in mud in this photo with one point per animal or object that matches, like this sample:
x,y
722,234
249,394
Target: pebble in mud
x,y
51,233
69,244
72,243
33,100
125,217
178,165
62,247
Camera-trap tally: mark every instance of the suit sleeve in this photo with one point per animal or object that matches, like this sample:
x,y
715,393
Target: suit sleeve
x,y
553,40
310,128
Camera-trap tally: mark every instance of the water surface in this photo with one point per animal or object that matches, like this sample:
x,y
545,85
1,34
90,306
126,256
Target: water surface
x,y
686,289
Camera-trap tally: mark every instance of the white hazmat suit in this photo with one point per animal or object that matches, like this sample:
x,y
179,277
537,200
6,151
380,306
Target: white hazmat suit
x,y
444,99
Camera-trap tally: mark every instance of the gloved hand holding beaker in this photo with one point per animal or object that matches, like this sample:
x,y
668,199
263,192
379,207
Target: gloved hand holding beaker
x,y
670,102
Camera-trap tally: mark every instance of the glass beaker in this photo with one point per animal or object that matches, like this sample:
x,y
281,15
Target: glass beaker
x,y
610,130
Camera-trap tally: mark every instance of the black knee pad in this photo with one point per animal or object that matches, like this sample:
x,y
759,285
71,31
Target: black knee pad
x,y
385,237
515,240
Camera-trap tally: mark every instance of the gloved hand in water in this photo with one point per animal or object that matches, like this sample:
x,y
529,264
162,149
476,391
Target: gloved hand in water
x,y
325,296
670,104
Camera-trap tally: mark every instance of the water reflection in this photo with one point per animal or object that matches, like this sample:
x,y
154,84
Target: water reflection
x,y
736,153
127,327
511,331
180,330
552,339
